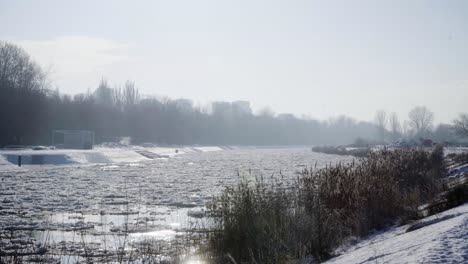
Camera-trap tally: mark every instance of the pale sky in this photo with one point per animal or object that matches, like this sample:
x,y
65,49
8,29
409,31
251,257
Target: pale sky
x,y
318,58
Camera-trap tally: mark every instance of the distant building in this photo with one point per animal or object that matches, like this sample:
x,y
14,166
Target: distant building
x,y
73,139
241,108
228,109
104,95
184,105
286,116
221,108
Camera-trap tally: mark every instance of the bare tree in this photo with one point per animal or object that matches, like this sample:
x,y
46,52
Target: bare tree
x,y
126,96
461,125
395,126
406,129
421,120
444,133
130,93
18,70
381,121
23,89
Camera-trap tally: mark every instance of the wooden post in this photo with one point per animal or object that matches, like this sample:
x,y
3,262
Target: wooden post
x,y
19,160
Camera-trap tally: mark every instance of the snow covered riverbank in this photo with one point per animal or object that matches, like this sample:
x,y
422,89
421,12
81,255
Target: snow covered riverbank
x,y
442,238
100,154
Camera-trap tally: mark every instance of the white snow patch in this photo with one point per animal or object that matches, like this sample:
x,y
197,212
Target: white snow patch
x,y
5,165
100,154
208,149
158,235
444,241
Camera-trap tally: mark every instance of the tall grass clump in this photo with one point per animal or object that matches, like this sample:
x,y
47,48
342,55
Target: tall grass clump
x,y
251,222
273,222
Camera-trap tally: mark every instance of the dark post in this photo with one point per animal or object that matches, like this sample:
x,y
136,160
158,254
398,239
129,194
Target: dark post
x,y
19,161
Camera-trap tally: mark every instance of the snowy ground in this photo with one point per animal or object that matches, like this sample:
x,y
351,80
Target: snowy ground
x,y
100,154
443,240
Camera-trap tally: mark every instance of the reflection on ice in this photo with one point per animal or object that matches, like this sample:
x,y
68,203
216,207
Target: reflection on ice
x,y
159,235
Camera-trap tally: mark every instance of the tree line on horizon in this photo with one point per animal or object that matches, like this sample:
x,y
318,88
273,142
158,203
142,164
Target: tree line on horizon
x,y
30,110
419,127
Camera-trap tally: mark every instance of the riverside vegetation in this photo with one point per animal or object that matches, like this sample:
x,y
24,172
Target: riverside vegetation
x,y
357,152
267,221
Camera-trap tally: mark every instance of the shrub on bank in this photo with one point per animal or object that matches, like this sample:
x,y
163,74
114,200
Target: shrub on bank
x,y
269,222
357,152
457,196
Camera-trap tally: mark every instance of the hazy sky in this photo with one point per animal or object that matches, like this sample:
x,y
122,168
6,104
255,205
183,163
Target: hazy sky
x,y
319,58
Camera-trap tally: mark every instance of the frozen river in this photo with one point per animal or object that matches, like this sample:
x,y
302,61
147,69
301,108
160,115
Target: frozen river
x,y
102,204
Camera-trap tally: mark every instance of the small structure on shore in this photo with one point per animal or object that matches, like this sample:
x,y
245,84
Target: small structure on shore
x,y
73,139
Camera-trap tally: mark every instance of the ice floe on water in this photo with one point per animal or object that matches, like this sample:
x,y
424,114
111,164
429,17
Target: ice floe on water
x,y
161,234
104,204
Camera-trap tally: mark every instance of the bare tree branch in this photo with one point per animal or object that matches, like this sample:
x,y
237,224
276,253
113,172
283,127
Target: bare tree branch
x,y
461,125
421,119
